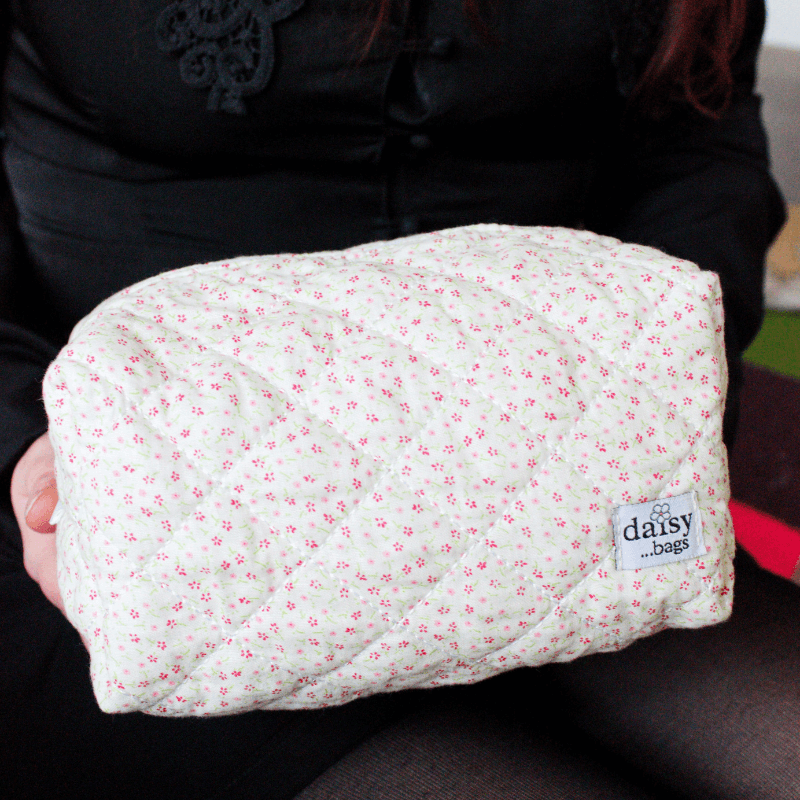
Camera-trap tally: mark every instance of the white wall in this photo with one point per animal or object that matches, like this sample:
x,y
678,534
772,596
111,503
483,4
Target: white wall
x,y
783,23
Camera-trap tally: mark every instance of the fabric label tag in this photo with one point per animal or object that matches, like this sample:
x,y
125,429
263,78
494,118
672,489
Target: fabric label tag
x,y
658,532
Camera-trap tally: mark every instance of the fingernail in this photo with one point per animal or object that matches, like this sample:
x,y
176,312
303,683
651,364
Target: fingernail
x,y
40,510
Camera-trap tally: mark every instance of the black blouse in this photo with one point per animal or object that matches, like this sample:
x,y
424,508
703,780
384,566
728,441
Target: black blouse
x,y
146,135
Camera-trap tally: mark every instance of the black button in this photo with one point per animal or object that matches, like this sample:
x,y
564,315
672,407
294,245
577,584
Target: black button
x,y
441,46
408,225
392,227
419,141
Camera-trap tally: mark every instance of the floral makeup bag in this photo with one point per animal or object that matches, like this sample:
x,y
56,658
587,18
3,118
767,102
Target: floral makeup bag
x,y
294,480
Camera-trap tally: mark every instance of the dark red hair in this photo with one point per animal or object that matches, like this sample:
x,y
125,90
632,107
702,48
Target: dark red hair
x,y
691,63
693,59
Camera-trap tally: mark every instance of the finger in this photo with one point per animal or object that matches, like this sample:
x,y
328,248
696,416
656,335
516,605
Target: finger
x,y
32,476
41,509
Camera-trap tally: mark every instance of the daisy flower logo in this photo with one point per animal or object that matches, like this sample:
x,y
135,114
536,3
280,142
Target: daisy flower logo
x,y
660,512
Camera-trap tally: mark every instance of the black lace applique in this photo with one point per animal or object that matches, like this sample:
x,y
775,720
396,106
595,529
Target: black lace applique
x,y
227,45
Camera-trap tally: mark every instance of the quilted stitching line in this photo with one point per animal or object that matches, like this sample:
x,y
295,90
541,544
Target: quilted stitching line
x,y
557,605
665,618
619,365
323,680
242,624
530,630
560,606
620,368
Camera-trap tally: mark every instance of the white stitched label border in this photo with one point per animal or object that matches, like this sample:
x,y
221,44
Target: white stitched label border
x,y
658,532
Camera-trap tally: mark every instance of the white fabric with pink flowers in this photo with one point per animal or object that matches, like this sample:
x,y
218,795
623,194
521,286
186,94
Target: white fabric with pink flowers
x,y
290,481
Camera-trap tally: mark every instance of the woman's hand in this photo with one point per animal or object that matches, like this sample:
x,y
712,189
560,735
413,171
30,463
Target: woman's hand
x,y
34,497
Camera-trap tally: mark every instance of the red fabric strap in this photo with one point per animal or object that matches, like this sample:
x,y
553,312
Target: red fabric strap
x,y
774,544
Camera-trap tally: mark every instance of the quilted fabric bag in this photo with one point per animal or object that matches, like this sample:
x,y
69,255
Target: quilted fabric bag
x,y
291,481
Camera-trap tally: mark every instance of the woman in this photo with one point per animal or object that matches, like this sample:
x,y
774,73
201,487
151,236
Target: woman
x,y
149,135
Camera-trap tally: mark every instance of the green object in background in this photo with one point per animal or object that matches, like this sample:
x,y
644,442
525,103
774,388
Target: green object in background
x,y
777,346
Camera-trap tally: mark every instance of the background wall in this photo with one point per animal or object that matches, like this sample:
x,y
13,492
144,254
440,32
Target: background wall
x,y
779,85
783,23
